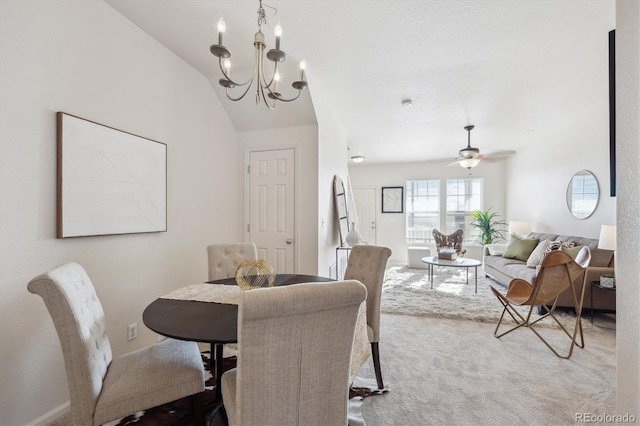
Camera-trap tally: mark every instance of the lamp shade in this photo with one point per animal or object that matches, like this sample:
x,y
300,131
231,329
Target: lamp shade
x,y
519,228
607,238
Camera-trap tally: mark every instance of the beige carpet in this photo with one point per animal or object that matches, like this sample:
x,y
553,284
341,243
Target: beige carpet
x,y
454,372
444,366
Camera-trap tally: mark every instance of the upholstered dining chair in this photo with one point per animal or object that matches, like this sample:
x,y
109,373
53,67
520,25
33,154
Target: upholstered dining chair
x,y
225,258
453,240
556,275
295,355
103,388
367,265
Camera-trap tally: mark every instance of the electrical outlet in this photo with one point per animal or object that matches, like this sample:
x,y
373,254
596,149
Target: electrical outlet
x,y
132,331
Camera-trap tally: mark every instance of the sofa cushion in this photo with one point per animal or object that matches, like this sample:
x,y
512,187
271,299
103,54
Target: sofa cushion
x,y
499,262
520,248
496,249
522,271
592,243
536,256
542,236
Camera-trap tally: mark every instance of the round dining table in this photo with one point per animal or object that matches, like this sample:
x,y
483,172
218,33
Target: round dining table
x,y
207,322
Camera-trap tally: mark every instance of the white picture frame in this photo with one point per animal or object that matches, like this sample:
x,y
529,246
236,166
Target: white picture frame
x,y
108,181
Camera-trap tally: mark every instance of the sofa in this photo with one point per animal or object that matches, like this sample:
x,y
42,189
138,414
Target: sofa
x,y
503,269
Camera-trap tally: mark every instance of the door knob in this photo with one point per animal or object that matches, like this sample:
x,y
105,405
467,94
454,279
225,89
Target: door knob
x,y
289,241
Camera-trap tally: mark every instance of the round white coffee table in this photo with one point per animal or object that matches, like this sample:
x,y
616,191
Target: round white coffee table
x,y
432,261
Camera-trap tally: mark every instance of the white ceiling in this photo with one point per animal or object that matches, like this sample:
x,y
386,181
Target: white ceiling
x,y
515,69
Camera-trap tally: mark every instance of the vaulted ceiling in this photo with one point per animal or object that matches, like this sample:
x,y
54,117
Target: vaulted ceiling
x,y
516,69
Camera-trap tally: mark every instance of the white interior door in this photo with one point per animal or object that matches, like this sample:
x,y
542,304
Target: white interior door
x,y
365,201
271,207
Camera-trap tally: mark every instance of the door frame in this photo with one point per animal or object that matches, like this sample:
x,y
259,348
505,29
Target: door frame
x,y
296,195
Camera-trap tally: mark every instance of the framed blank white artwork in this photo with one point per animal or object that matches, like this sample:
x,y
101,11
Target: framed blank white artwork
x,y
109,181
392,199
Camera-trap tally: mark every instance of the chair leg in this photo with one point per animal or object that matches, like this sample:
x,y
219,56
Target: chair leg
x,y
197,408
507,309
375,354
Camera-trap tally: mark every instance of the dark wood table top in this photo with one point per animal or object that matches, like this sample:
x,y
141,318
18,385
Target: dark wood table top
x,y
206,321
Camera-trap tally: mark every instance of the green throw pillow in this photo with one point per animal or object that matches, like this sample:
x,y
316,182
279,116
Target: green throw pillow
x,y
520,248
572,251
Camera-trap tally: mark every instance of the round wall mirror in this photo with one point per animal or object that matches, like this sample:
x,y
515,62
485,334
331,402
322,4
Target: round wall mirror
x,y
583,194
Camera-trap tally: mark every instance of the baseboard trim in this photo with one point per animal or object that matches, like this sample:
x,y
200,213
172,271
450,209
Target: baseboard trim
x,y
52,415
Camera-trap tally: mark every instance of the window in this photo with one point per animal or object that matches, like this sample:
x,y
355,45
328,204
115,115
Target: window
x,y
427,198
423,208
463,197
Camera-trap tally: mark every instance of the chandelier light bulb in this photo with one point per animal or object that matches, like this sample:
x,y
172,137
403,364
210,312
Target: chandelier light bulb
x,y
227,66
222,27
276,78
303,66
278,31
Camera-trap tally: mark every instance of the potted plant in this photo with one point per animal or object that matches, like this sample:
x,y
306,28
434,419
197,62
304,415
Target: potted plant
x,y
490,228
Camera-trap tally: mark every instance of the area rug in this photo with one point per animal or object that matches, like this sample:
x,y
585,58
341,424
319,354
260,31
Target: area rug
x,y
408,292
179,412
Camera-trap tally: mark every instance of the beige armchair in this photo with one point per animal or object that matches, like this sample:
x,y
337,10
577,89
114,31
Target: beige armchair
x,y
367,265
103,388
295,355
225,258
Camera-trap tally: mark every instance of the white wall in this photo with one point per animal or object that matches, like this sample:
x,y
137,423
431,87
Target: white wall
x,y
390,227
548,157
332,161
541,171
84,58
304,140
628,226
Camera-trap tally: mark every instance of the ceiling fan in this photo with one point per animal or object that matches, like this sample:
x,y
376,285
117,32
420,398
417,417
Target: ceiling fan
x,y
470,157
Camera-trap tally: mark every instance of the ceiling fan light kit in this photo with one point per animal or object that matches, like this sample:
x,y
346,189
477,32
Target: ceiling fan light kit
x,y
469,163
265,87
469,156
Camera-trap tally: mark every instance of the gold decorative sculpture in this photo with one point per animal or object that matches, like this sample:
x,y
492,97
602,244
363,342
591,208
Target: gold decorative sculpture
x,y
252,274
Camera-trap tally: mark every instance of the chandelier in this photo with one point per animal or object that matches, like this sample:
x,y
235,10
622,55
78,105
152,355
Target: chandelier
x,y
265,87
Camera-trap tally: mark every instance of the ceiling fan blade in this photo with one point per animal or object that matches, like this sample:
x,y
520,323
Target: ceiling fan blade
x,y
454,163
500,154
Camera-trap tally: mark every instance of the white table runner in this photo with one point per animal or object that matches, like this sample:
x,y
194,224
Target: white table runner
x,y
231,294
